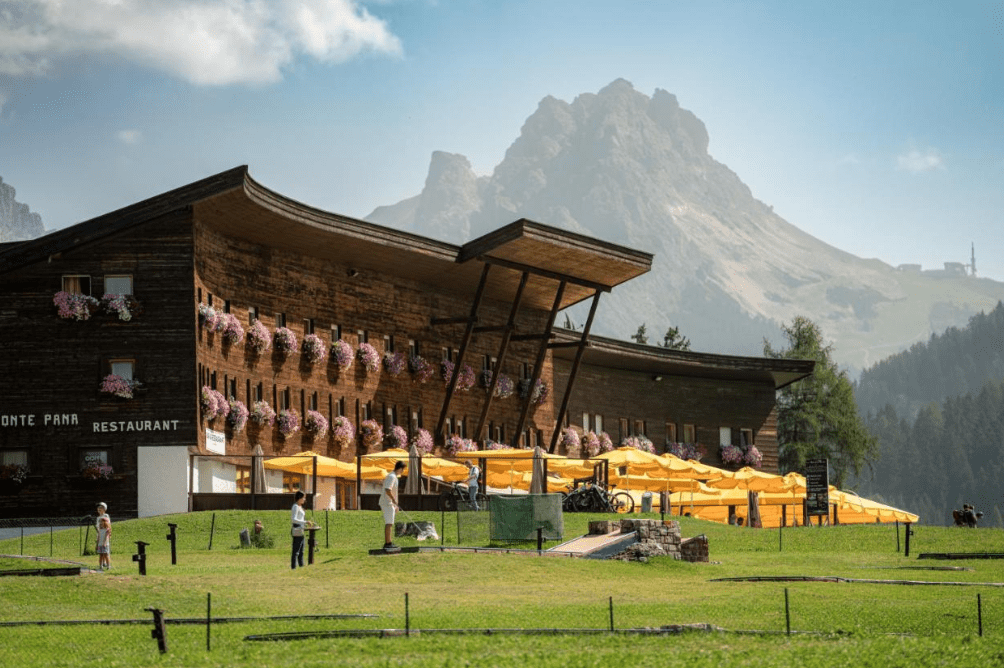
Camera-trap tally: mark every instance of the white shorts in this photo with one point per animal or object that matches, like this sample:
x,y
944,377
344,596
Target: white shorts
x,y
388,514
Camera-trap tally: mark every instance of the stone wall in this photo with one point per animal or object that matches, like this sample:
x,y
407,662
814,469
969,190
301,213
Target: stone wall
x,y
656,538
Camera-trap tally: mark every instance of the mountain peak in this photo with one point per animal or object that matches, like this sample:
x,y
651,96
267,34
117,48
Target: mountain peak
x,y
625,167
17,222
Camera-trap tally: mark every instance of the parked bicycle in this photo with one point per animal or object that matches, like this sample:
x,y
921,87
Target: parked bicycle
x,y
592,498
457,496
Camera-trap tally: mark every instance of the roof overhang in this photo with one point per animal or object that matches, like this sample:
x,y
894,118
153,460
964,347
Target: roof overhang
x,y
658,361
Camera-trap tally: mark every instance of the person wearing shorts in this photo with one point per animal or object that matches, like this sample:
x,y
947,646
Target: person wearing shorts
x,y
388,503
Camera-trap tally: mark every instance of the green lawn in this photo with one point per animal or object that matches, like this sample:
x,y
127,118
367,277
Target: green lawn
x,y
832,623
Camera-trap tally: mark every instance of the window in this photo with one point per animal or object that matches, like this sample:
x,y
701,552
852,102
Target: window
x,y
671,432
209,298
226,306
724,436
258,392
243,479
689,433
368,410
388,343
77,284
252,314
585,422
746,437
312,405
118,285
363,336
308,326
412,347
14,457
622,426
232,388
598,423
639,428
291,482
280,319
336,333
94,457
122,368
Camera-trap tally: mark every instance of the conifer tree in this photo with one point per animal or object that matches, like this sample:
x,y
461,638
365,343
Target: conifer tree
x,y
817,416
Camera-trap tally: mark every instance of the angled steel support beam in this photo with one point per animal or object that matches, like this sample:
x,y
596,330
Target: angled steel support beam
x,y
457,365
539,364
510,326
583,343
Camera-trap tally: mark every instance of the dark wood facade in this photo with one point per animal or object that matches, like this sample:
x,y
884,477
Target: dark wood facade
x,y
228,242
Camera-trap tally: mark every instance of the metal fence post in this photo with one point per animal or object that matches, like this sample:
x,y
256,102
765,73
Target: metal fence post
x,y
979,613
407,617
611,614
787,613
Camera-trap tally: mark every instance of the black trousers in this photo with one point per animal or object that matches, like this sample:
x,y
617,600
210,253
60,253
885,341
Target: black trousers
x,y
297,556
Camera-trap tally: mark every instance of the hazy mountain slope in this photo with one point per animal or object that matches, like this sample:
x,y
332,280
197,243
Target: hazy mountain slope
x,y
635,170
17,222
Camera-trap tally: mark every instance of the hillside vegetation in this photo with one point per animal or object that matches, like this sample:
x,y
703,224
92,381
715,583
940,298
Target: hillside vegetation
x,y
937,410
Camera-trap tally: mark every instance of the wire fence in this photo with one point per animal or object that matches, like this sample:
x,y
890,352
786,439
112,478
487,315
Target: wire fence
x,y
780,611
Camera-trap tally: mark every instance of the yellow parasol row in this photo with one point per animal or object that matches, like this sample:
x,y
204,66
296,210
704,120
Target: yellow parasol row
x,y
698,489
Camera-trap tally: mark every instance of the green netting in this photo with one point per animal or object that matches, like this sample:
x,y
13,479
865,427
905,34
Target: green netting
x,y
517,517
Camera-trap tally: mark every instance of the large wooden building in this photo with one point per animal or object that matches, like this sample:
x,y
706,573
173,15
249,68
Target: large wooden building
x,y
108,353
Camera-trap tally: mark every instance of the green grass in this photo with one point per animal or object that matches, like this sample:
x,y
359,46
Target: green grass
x,y
835,623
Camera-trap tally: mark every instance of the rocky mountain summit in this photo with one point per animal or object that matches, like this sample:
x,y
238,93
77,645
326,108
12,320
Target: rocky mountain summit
x,y
635,170
17,222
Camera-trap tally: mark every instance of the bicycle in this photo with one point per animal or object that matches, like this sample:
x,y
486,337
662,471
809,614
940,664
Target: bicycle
x,y
451,498
593,498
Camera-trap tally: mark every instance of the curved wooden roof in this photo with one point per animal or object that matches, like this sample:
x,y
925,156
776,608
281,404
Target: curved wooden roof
x,y
235,204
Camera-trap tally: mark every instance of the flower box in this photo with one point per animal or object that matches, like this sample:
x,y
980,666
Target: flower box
x,y
397,437
259,340
341,353
285,341
686,450
639,442
314,350
571,440
315,424
289,421
466,379
590,444
394,363
119,386
456,445
238,415
420,368
262,413
97,472
214,404
123,306
731,455
539,393
343,432
372,434
422,440
75,306
231,328
368,357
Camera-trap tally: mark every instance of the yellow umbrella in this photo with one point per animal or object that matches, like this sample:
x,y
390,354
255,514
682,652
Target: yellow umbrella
x,y
632,459
751,480
326,466
654,484
521,480
431,466
674,467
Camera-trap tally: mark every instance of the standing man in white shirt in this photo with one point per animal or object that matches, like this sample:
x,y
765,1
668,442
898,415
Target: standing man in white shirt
x,y
299,520
473,477
388,503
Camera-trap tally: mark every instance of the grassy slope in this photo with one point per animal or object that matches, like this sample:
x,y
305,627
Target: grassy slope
x,y
860,623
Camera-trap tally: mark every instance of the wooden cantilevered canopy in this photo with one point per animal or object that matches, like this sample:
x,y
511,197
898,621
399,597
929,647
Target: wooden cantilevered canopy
x,y
565,267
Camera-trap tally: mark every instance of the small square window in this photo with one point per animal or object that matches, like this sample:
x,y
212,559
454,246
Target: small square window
x,y
308,326
689,433
77,284
94,457
252,314
280,319
122,368
118,285
14,457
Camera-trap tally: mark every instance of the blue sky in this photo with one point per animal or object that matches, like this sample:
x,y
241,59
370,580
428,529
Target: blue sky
x,y
875,126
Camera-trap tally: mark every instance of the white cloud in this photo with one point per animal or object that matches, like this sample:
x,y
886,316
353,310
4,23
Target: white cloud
x,y
207,42
919,161
129,136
